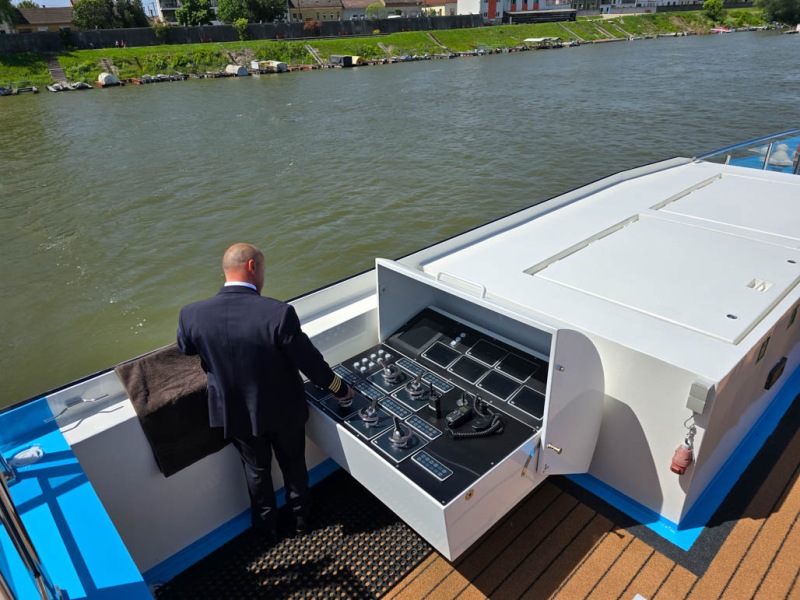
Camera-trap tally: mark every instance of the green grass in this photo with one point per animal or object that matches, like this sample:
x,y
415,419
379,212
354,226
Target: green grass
x,y
84,65
23,70
366,47
413,42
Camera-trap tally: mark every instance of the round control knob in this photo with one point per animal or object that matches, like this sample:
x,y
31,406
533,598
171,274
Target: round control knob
x,y
373,356
454,343
356,365
381,351
365,360
371,364
363,368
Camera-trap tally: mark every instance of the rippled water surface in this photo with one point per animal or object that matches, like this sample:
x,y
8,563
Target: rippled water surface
x,y
117,204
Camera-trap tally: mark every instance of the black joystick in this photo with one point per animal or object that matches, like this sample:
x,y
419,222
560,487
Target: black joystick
x,y
369,414
400,436
391,373
416,389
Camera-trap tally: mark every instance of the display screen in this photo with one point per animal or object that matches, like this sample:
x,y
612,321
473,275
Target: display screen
x,y
530,401
441,354
420,334
468,369
486,352
517,367
498,385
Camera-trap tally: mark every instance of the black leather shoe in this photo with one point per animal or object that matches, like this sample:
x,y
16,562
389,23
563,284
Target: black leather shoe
x,y
302,525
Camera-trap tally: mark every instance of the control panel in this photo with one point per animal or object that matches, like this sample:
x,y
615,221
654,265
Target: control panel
x,y
442,401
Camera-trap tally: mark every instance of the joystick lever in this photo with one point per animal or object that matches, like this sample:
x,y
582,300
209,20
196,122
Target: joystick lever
x,y
391,373
400,435
416,389
369,414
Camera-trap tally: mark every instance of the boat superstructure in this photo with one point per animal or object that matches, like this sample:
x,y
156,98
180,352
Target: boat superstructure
x,y
592,334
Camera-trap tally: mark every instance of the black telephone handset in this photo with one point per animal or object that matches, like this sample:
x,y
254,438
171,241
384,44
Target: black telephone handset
x,y
459,416
487,423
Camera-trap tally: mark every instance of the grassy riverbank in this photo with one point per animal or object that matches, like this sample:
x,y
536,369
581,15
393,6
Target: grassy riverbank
x,y
84,65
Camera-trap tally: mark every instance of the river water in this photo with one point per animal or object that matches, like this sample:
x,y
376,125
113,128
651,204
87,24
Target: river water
x,y
117,204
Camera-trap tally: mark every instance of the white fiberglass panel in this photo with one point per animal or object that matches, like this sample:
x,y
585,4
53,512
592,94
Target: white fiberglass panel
x,y
753,204
711,282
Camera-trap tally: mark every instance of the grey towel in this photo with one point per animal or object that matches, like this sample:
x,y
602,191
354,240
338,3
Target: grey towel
x,y
168,393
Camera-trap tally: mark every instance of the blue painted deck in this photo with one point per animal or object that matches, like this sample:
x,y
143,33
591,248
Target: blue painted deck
x,y
76,540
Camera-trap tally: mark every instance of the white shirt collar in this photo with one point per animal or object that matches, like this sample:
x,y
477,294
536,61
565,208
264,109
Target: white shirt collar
x,y
244,283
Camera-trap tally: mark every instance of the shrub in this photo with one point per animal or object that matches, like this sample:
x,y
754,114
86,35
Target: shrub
x,y
161,30
240,25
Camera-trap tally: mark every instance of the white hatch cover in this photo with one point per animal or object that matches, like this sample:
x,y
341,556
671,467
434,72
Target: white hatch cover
x,y
712,282
751,203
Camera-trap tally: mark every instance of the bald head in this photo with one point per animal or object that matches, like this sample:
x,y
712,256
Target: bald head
x,y
244,262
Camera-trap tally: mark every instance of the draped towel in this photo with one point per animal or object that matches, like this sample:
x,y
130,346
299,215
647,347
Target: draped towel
x,y
168,393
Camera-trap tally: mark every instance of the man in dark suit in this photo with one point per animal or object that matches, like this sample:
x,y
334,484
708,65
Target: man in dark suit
x,y
251,347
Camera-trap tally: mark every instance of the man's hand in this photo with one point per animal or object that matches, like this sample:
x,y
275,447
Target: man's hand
x,y
347,399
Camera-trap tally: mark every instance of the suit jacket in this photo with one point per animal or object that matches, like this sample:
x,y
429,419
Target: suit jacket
x,y
251,348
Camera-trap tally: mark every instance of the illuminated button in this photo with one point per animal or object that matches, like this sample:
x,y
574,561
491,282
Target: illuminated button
x,y
454,342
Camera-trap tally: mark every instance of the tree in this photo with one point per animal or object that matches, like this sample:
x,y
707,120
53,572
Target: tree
x,y
265,11
786,11
374,11
27,4
714,9
94,14
228,11
130,13
240,25
7,11
194,12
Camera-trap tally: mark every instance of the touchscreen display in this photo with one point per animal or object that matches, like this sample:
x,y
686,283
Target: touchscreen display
x,y
498,385
468,369
486,352
441,354
530,401
418,336
517,367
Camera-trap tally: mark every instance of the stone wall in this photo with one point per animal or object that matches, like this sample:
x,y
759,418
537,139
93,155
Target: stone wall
x,y
145,36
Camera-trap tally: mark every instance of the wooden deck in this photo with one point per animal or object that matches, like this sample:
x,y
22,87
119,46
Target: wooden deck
x,y
561,542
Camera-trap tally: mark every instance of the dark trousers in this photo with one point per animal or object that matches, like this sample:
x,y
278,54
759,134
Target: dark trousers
x,y
256,453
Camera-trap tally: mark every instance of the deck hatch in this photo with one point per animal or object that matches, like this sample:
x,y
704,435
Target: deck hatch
x,y
754,205
716,283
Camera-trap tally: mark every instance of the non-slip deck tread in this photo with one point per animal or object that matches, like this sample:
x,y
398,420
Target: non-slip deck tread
x,y
357,549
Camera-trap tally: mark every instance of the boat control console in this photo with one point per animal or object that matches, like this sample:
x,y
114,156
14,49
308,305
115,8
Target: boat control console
x,y
453,404
441,401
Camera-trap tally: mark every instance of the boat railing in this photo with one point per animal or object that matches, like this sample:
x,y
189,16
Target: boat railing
x,y
24,546
780,152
